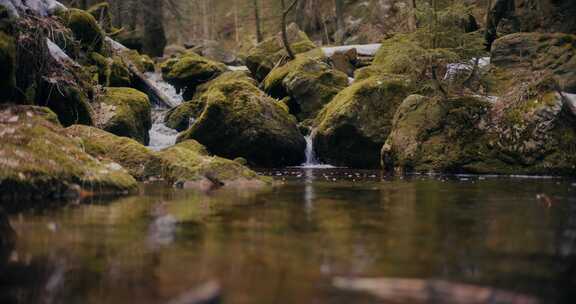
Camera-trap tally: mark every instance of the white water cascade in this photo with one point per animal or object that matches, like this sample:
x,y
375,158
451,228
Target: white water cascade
x,y
161,136
311,160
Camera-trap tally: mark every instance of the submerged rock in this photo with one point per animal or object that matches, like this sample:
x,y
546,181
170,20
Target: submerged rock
x,y
351,129
190,70
125,112
309,83
263,57
187,161
239,120
37,160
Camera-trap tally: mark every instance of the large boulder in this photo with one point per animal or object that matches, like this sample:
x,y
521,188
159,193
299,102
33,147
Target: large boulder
x,y
435,135
527,54
186,161
309,83
84,27
351,129
182,116
265,56
38,160
190,70
239,120
125,112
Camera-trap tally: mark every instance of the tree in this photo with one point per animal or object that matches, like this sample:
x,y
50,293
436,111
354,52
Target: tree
x,y
257,20
154,39
340,23
285,12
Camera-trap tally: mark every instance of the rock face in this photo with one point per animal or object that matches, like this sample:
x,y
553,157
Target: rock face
x,y
190,70
239,120
542,53
186,161
435,135
353,126
309,83
125,112
263,57
37,160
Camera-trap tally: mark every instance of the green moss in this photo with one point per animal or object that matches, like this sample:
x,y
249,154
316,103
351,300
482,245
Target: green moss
x,y
101,12
353,126
142,62
263,57
179,117
140,161
125,112
309,84
238,120
70,103
85,28
190,70
8,66
436,135
39,161
112,71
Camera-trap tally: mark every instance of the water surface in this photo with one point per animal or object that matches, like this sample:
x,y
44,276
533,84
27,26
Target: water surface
x,y
290,244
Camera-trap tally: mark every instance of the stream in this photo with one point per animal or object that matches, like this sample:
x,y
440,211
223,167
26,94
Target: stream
x,y
324,236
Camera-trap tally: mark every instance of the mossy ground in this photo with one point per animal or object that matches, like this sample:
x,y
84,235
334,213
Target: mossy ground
x,y
37,159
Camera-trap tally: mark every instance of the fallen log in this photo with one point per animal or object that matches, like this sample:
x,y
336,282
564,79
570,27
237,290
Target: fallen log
x,y
142,83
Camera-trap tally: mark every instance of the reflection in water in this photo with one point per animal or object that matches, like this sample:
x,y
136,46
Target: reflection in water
x,y
287,244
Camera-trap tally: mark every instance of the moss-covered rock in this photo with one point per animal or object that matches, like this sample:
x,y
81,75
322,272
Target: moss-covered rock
x,y
186,161
8,66
537,53
351,129
309,83
189,71
37,160
189,161
130,39
140,161
435,135
239,120
125,112
263,57
85,28
70,102
112,72
180,117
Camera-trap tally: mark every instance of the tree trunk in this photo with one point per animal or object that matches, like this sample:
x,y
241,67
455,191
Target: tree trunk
x,y
412,22
257,20
205,20
285,12
340,22
154,34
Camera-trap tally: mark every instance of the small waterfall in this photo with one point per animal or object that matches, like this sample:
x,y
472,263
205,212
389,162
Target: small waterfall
x,y
311,160
161,136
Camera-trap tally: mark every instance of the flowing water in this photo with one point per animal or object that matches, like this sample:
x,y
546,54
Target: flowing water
x,y
161,136
322,236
